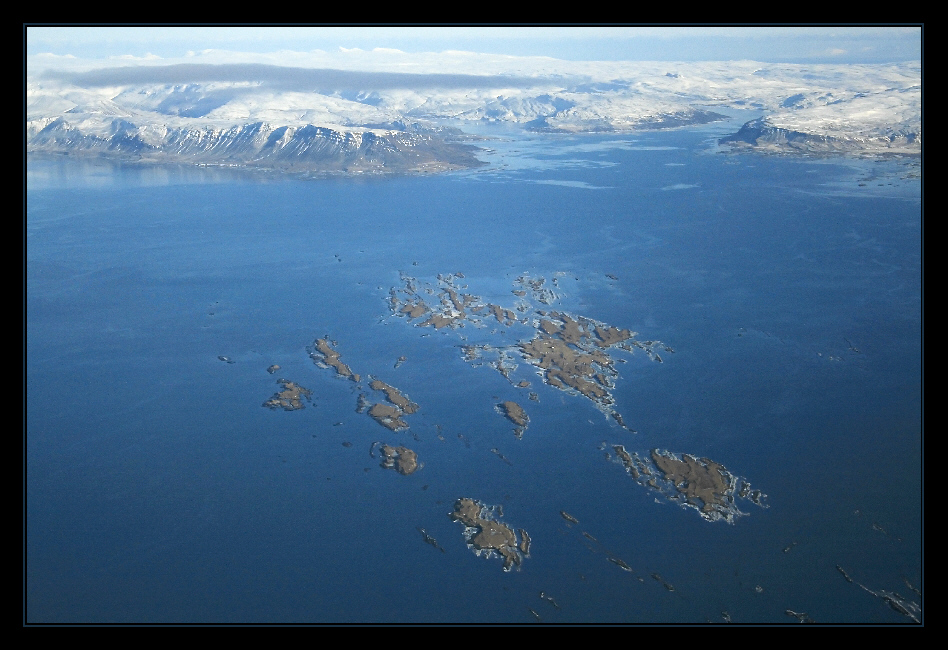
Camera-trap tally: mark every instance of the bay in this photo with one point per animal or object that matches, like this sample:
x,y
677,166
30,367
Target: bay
x,y
159,490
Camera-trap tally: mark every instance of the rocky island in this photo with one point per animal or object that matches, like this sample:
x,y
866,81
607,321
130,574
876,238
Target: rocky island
x,y
290,398
324,356
515,414
402,459
697,483
394,396
570,352
487,536
389,415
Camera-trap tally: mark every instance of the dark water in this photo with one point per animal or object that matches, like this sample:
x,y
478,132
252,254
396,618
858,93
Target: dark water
x,y
159,490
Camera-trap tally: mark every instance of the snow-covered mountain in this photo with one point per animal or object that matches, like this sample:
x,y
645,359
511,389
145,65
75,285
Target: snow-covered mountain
x,y
385,111
305,148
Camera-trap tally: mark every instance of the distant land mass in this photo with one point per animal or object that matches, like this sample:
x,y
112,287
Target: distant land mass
x,y
316,121
260,145
763,135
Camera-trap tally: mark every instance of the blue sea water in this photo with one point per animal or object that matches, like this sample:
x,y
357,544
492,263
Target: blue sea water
x,y
158,490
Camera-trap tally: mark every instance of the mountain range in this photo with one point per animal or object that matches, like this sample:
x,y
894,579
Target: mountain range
x,y
390,118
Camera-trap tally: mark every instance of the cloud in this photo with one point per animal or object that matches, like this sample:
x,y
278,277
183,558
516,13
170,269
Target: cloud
x,y
284,78
130,57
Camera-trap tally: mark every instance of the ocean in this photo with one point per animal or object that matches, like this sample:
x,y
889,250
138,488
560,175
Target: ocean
x,y
158,489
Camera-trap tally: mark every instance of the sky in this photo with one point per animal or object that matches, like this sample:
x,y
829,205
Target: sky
x,y
780,44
